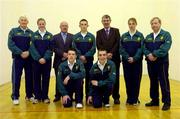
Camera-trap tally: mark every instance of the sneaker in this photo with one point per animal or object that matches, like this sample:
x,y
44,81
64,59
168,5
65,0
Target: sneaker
x,y
107,105
79,105
16,101
46,101
31,99
35,101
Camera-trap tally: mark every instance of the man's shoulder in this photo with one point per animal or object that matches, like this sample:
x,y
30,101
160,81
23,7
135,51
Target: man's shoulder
x,y
110,62
114,29
70,34
164,31
101,30
63,64
14,29
90,34
78,61
57,35
49,33
29,30
125,34
77,34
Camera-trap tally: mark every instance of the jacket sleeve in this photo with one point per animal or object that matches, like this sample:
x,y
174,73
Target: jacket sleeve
x,y
60,84
164,48
98,40
139,52
33,51
145,50
75,47
55,48
11,44
92,51
48,54
122,51
117,38
91,78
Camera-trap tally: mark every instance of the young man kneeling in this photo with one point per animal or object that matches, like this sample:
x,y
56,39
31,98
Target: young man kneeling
x,y
70,79
102,79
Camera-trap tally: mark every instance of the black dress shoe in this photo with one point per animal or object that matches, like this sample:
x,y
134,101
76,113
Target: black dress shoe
x,y
152,103
56,99
116,101
166,106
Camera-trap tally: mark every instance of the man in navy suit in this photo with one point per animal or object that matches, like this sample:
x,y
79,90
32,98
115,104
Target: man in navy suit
x,y
108,38
61,43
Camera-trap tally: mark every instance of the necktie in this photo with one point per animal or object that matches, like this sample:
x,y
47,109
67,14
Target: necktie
x,y
107,32
64,37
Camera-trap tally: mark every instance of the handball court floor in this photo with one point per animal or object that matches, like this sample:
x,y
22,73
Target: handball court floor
x,y
27,110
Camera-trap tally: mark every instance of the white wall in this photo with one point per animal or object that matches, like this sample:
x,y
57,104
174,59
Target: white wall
x,y
72,11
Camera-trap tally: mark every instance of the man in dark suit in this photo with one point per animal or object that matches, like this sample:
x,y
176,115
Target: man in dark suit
x,y
61,43
109,38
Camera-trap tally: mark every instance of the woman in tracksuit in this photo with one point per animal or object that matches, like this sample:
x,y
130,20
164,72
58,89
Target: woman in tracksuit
x,y
41,53
131,52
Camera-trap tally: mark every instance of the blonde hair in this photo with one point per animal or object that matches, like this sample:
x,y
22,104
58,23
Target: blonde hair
x,y
22,17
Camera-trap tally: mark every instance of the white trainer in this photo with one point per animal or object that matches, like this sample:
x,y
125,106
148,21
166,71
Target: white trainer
x,y
46,101
35,101
31,99
79,105
107,105
16,102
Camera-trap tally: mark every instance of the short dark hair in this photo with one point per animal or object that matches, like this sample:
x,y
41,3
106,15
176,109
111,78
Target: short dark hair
x,y
83,20
72,49
106,16
102,49
41,19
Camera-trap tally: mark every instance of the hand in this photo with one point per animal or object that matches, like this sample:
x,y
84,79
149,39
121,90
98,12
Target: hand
x,y
109,55
25,54
42,61
151,57
89,100
94,83
66,80
83,59
130,60
65,99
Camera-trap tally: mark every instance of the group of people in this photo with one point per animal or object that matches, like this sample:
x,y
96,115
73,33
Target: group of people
x,y
73,61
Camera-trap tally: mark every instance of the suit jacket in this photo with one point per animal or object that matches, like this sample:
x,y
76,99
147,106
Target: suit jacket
x,y
59,47
110,43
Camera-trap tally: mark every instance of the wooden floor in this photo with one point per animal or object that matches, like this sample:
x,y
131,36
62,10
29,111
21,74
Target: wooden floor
x,y
27,110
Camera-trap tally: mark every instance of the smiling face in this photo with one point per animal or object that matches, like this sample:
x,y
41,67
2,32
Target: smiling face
x,y
102,56
106,21
23,21
155,24
41,25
